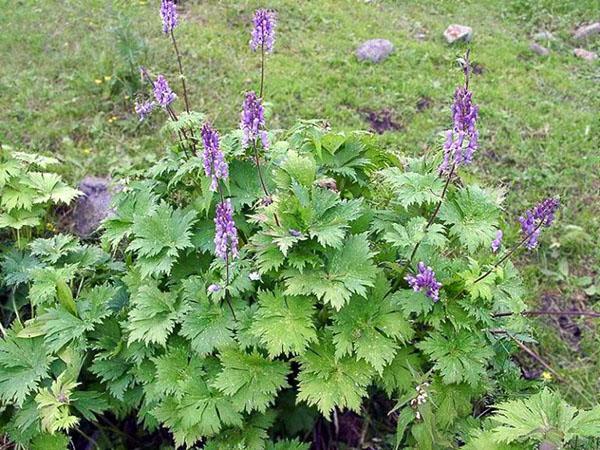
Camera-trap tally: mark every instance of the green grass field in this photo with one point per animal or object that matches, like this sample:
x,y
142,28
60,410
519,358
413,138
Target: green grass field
x,y
70,72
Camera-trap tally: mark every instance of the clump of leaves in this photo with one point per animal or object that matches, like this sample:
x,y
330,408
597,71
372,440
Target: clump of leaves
x,y
27,190
319,299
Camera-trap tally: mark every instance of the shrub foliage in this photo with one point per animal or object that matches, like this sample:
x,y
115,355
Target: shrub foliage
x,y
321,309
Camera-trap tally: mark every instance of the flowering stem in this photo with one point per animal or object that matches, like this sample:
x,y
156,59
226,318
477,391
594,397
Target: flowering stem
x,y
227,299
262,181
262,69
185,95
509,253
429,223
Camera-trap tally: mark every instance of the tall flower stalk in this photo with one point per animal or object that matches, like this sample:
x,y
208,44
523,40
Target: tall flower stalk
x,y
263,38
461,143
252,123
168,13
542,215
216,167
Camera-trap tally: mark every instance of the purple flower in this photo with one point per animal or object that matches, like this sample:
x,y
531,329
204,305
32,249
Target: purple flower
x,y
213,288
533,219
226,239
168,13
263,33
252,121
462,139
215,165
162,92
425,280
545,211
496,243
294,233
144,109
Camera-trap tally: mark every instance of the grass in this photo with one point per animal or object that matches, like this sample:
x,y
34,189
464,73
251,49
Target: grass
x,y
70,75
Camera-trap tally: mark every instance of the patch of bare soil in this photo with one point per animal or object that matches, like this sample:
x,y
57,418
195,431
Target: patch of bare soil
x,y
382,121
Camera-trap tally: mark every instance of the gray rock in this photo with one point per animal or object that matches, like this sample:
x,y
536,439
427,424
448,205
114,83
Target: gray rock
x,y
587,30
456,33
537,48
543,36
585,54
374,50
93,206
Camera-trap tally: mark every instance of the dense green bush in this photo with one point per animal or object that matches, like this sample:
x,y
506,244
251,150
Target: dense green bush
x,y
311,310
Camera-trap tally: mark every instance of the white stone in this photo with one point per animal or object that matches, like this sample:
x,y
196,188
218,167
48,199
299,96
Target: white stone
x,y
374,50
587,30
585,54
457,32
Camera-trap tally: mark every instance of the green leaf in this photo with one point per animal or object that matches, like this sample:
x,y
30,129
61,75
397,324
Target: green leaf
x,y
300,169
407,237
473,216
47,441
17,267
251,380
18,196
50,187
19,218
207,325
458,356
348,271
543,416
51,250
43,289
35,159
9,168
158,238
413,188
128,205
371,327
284,324
399,375
153,315
23,364
90,404
329,382
251,435
53,404
192,408
61,326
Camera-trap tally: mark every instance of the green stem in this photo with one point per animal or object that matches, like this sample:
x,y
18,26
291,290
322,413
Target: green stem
x,y
185,95
429,223
509,253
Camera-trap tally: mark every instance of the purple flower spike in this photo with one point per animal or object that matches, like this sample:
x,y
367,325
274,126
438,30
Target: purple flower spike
x,y
263,33
162,92
544,211
425,281
144,109
168,13
252,121
226,239
496,243
215,165
462,140
213,288
532,221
